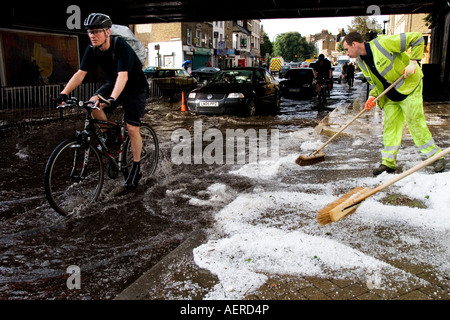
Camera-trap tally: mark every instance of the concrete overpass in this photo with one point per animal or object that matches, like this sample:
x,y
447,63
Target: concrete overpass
x,y
53,14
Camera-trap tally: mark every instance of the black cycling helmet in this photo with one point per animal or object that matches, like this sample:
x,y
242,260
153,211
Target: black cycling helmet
x,y
97,21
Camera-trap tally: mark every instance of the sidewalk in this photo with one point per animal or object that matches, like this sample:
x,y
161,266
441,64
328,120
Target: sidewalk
x,y
177,274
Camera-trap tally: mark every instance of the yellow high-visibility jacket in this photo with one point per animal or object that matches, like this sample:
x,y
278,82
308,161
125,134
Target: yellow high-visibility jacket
x,y
390,58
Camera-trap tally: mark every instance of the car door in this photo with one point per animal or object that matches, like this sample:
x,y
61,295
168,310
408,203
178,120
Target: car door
x,y
272,87
261,87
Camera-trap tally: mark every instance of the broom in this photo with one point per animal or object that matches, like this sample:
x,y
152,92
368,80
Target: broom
x,y
317,156
348,203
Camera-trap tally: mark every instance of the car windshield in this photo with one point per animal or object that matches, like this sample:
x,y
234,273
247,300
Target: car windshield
x,y
233,76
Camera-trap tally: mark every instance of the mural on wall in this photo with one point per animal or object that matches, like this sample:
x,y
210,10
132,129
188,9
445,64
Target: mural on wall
x,y
33,58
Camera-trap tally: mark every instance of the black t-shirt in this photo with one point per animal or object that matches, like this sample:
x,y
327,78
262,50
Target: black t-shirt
x,y
119,57
323,69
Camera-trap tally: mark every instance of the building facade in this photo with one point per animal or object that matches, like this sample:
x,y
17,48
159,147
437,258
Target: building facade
x,y
247,42
170,44
411,23
220,44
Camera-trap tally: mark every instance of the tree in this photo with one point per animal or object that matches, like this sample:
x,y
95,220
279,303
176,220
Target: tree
x,y
293,47
364,25
266,46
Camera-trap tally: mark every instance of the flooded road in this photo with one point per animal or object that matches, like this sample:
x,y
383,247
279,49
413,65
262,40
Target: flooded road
x,y
116,240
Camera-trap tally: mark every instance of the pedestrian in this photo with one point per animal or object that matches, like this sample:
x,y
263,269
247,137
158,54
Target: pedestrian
x,y
350,74
382,61
187,66
125,83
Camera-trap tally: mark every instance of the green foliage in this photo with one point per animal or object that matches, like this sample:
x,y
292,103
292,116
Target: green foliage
x,y
266,46
293,47
364,25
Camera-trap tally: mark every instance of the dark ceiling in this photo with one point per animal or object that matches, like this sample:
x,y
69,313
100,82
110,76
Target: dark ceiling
x,y
54,14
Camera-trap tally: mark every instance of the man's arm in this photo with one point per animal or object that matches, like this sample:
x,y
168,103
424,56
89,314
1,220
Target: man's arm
x,y
74,82
121,81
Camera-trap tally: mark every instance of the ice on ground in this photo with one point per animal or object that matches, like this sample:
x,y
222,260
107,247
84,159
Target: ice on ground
x,y
275,232
252,245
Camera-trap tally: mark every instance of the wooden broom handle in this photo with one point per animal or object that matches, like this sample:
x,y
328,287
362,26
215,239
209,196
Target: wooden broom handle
x,y
359,114
403,175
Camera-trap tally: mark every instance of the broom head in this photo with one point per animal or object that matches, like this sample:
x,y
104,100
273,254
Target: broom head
x,y
338,208
309,160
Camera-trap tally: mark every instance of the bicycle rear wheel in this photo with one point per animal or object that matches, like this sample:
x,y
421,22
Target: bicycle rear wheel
x,y
149,153
73,176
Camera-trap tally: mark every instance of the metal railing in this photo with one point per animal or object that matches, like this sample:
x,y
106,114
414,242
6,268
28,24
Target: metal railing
x,y
35,103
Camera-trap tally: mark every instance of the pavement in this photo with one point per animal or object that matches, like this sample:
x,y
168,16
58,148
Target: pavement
x,y
169,277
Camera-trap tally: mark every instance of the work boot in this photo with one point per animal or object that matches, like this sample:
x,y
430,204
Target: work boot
x,y
382,168
134,176
439,165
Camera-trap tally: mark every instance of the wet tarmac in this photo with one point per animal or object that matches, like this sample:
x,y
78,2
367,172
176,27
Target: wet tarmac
x,y
116,240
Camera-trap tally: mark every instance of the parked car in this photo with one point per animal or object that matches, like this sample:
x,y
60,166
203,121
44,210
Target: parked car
x,y
337,74
283,71
243,90
204,74
149,71
360,76
171,82
298,82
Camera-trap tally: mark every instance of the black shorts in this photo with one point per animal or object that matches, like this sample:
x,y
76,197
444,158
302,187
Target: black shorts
x,y
133,104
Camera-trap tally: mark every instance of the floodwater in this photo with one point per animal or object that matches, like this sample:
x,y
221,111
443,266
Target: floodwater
x,y
117,239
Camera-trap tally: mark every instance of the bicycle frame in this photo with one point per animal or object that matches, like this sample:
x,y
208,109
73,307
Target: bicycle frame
x,y
91,130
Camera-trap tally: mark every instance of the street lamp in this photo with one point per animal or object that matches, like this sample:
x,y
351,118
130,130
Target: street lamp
x,y
384,25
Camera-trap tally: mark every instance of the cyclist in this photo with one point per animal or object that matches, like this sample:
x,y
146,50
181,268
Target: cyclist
x,y
323,73
125,83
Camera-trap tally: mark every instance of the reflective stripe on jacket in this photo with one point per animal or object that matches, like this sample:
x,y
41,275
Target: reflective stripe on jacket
x,y
390,58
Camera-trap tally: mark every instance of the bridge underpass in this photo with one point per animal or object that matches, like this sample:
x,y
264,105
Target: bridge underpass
x,y
50,17
152,11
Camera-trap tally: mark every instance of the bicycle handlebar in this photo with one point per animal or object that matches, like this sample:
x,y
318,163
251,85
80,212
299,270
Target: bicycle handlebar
x,y
74,102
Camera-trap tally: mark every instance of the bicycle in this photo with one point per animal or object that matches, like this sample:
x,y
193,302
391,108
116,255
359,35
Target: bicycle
x,y
74,172
322,96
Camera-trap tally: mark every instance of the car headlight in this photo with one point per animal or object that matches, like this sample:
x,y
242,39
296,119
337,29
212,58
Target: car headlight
x,y
191,95
235,95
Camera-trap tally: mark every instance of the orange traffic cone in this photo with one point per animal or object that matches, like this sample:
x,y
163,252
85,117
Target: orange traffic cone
x,y
183,102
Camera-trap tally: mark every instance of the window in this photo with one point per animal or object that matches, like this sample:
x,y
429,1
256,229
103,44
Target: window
x,y
188,36
259,76
198,37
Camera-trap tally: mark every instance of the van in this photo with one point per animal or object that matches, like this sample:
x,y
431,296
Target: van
x,y
275,64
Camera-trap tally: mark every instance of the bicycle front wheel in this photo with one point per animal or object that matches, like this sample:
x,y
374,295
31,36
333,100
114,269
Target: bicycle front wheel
x,y
149,153
73,176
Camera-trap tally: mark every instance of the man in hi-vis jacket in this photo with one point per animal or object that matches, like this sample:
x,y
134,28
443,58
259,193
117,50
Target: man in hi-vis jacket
x,y
382,61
